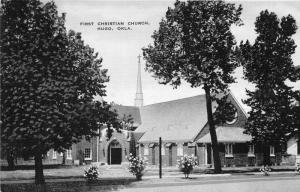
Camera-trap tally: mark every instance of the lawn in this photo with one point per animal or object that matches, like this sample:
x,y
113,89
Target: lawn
x,y
64,172
120,171
70,178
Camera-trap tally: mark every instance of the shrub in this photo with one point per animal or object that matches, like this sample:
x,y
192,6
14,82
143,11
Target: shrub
x,y
265,170
298,168
136,166
91,174
186,164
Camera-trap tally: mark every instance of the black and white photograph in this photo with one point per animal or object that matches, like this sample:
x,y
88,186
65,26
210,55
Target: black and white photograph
x,y
152,96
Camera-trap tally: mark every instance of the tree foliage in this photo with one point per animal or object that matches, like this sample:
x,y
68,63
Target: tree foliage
x,y
49,80
194,43
126,122
268,65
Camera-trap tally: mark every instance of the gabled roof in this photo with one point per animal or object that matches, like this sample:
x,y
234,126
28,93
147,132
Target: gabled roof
x,y
128,110
227,135
178,120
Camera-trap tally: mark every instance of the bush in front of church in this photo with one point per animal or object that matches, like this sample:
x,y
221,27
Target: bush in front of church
x,y
136,166
186,164
91,174
298,168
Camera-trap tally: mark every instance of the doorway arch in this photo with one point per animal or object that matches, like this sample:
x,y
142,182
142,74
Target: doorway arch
x,y
114,153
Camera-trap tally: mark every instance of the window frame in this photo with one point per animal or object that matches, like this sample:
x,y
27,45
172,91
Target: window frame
x,y
179,149
163,151
69,154
229,150
235,117
54,155
272,150
146,150
85,156
251,150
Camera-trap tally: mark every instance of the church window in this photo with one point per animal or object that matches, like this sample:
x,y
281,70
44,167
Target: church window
x,y
235,116
179,150
233,120
87,154
251,150
163,152
69,154
272,150
54,155
229,150
146,150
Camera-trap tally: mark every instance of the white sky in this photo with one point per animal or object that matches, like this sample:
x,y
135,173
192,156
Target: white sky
x,y
119,49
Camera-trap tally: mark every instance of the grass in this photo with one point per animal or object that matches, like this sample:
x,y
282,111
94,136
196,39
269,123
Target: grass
x,y
61,172
70,178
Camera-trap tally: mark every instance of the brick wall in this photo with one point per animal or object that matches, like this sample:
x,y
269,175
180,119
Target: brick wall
x,y
251,161
288,159
240,159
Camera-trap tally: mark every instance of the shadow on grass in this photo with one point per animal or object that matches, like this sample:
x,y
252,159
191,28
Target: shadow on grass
x,y
31,167
72,186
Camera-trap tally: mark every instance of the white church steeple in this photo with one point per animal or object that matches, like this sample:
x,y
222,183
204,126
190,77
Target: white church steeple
x,y
138,102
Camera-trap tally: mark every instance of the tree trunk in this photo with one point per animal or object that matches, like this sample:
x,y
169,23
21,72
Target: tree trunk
x,y
39,174
214,140
10,160
266,154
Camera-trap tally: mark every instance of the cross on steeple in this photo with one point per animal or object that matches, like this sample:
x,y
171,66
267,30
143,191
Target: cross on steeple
x,y
138,102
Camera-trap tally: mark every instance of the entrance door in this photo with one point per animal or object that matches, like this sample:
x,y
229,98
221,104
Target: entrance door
x,y
170,156
208,152
115,153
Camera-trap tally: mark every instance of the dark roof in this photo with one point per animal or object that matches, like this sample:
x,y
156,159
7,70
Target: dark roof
x,y
178,120
129,110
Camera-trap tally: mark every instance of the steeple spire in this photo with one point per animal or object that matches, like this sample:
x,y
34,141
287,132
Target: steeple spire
x,y
138,102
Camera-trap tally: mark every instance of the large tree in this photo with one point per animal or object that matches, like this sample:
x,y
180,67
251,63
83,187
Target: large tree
x,y
194,43
268,65
48,81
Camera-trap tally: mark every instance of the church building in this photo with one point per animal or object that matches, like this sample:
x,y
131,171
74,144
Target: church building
x,y
182,125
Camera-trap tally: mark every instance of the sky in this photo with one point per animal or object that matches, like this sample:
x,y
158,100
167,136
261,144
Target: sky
x,y
120,48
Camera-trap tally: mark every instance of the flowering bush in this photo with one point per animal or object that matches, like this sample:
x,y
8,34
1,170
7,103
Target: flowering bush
x,y
91,174
136,166
186,164
265,170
